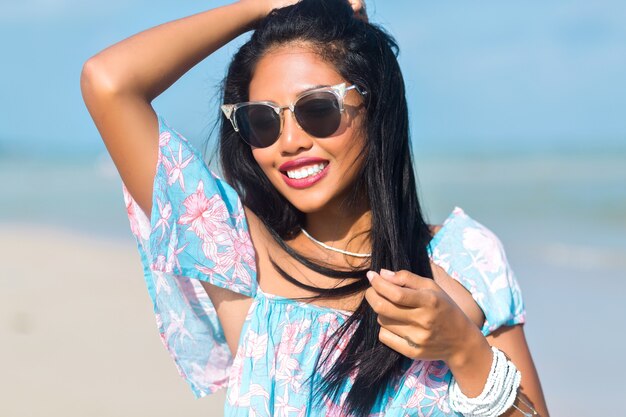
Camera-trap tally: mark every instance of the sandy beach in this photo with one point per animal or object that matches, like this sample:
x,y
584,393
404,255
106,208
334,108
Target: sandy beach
x,y
79,337
78,334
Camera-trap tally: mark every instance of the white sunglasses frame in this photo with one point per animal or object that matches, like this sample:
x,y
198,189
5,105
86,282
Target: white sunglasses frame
x,y
338,90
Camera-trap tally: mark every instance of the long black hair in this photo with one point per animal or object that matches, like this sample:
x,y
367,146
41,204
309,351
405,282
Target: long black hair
x,y
364,55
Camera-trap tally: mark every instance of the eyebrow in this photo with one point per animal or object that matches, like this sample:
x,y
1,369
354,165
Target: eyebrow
x,y
315,87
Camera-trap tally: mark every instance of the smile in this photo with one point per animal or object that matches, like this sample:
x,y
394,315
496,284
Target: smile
x,y
306,171
303,177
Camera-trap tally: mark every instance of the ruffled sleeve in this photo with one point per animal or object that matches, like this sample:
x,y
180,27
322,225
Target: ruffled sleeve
x,y
197,231
471,254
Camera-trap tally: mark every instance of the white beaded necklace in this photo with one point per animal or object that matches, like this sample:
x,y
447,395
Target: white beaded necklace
x,y
345,252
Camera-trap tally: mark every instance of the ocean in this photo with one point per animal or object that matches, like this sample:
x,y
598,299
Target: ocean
x,y
561,218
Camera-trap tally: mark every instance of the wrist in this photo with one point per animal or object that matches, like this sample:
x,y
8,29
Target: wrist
x,y
256,10
498,395
471,361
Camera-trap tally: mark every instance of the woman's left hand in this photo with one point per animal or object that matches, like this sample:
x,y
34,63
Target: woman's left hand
x,y
418,319
359,9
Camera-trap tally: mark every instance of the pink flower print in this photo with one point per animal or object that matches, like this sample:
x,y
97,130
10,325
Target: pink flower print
x,y
414,382
330,319
332,324
290,343
161,281
177,326
164,139
209,272
215,373
240,255
171,263
175,167
242,245
331,353
441,399
221,279
236,371
282,407
255,345
438,385
239,215
484,245
165,212
290,373
221,237
206,218
159,264
426,382
135,216
235,398
173,251
485,250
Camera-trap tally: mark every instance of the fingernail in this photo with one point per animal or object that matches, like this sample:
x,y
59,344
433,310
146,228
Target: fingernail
x,y
386,273
370,275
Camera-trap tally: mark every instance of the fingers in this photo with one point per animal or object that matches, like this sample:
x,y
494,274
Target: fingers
x,y
359,9
403,345
406,279
356,5
402,328
403,288
384,307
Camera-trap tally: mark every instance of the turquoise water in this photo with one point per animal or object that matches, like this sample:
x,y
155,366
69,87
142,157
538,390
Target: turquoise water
x,y
562,219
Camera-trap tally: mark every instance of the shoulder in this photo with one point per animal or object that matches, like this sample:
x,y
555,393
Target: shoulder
x,y
462,241
474,257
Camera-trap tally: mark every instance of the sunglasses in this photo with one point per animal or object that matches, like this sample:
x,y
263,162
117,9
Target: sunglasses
x,y
317,112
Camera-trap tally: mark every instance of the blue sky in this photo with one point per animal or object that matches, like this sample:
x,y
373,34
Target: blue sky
x,y
504,76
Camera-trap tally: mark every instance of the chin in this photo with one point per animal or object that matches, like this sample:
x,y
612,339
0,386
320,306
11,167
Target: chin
x,y
307,207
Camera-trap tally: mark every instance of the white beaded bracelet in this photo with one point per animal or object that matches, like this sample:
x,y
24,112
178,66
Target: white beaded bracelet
x,y
497,396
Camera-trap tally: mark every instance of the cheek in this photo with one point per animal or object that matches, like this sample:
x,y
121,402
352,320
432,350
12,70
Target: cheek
x,y
265,160
353,154
262,158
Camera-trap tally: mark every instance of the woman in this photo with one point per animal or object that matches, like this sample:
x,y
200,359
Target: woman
x,y
259,281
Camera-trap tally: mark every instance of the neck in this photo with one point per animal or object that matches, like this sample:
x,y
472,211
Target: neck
x,y
342,228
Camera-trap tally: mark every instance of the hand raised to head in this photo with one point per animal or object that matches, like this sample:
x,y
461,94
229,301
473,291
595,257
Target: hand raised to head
x,y
359,9
264,7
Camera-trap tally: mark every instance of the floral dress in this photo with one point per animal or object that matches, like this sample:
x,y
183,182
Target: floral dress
x,y
197,231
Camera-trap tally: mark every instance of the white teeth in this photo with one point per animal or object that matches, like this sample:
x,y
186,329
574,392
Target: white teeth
x,y
306,171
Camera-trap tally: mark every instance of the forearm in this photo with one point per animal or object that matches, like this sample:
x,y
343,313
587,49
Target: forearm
x,y
470,367
149,62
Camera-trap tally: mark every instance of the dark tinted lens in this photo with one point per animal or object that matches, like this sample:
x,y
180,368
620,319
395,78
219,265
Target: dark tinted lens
x,y
258,124
318,114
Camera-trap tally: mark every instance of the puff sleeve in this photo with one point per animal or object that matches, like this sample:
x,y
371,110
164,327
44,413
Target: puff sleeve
x,y
471,254
196,231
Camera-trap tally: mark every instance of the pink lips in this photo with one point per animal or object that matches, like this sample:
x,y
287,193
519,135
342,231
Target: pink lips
x,y
303,182
300,162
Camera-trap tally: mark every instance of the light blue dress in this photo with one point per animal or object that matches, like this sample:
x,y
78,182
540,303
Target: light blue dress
x,y
197,231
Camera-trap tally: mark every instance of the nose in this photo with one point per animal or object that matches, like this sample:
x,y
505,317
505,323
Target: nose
x,y
293,139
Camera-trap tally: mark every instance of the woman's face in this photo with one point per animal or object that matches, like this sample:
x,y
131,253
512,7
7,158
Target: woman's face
x,y
280,76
